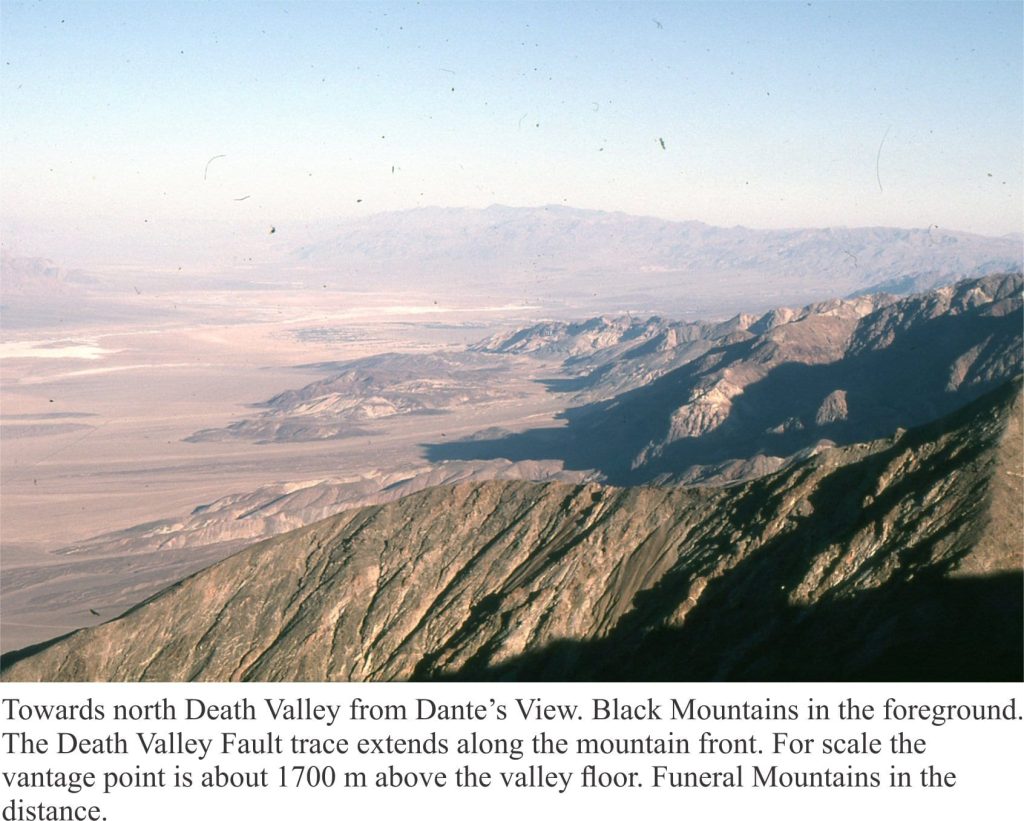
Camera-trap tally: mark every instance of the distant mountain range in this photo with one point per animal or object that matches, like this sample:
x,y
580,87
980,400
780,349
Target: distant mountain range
x,y
570,262
594,258
39,293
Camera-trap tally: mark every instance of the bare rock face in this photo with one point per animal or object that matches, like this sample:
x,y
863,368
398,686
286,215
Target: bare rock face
x,y
833,409
844,370
898,558
605,356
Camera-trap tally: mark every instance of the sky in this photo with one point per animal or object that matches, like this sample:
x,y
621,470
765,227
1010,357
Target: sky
x,y
760,114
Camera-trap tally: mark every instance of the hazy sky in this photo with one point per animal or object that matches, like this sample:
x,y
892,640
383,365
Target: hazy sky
x,y
772,114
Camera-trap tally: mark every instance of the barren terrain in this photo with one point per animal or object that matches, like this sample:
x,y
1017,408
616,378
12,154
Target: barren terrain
x,y
156,421
95,418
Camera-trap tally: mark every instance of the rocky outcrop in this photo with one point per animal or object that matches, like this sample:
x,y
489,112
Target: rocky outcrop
x,y
373,388
875,560
606,356
837,372
833,409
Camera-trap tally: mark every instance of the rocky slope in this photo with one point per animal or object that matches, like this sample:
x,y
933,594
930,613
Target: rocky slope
x,y
278,508
837,372
898,558
376,387
596,359
606,356
641,391
96,579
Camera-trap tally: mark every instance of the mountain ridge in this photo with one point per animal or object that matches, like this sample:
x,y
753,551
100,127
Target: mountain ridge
x,y
490,579
561,256
843,376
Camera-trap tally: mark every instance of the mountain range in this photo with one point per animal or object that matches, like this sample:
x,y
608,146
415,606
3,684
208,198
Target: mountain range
x,y
833,373
897,558
667,401
566,256
830,492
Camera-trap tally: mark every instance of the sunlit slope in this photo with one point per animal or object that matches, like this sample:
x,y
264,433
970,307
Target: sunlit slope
x,y
853,563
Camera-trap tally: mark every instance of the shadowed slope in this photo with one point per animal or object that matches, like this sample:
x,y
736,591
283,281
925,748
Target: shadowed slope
x,y
477,580
742,409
